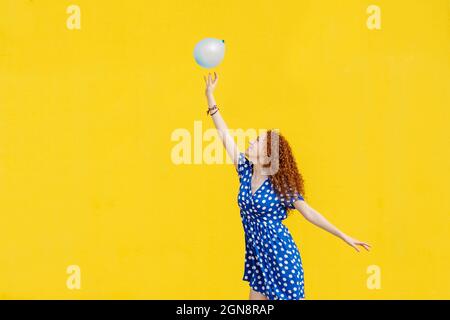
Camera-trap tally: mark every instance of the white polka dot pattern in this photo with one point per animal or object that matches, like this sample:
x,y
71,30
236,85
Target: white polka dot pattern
x,y
273,265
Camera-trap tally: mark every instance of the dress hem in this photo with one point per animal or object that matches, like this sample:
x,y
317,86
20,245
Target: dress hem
x,y
268,296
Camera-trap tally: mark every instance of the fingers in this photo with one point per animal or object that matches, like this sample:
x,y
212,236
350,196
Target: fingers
x,y
209,80
356,248
364,245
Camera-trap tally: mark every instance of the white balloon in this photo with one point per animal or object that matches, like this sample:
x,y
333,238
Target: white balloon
x,y
209,52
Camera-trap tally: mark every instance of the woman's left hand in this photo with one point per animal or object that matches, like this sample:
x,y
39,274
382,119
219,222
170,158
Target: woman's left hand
x,y
355,243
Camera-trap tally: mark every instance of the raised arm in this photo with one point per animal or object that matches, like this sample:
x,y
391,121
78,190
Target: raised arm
x,y
319,220
220,124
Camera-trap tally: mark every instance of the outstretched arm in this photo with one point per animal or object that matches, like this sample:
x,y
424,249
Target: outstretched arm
x,y
220,124
319,220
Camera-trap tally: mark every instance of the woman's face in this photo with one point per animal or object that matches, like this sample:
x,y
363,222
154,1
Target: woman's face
x,y
257,148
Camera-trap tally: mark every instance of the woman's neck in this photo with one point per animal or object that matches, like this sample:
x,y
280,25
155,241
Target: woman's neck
x,y
259,171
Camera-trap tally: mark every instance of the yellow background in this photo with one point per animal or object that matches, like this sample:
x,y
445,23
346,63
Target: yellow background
x,y
86,116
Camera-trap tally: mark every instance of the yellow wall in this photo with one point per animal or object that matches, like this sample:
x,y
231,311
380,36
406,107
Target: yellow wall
x,y
86,117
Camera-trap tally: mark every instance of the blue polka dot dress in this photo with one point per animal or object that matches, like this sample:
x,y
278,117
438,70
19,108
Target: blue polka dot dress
x,y
273,265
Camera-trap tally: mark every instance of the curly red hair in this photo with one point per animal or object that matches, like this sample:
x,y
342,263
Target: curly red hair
x,y
287,181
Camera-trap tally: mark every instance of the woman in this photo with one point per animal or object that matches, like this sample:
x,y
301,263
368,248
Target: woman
x,y
273,266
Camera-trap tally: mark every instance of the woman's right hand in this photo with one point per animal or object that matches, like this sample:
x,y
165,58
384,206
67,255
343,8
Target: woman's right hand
x,y
210,83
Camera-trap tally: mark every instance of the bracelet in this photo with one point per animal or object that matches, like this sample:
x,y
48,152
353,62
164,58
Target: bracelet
x,y
212,109
214,112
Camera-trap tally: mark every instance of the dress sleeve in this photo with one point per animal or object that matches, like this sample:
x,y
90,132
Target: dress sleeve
x,y
243,165
296,197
